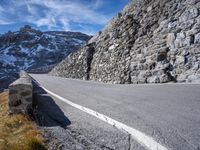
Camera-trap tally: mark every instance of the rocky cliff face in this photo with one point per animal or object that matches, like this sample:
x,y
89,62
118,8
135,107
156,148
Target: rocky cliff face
x,y
29,49
149,41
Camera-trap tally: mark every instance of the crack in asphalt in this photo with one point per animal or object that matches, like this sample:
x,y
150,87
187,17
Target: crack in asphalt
x,y
185,139
103,146
129,141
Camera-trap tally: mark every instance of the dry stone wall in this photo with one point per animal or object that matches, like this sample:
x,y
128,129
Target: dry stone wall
x,y
77,65
149,41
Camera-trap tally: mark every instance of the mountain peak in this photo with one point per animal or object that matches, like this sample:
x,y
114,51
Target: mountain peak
x,y
28,28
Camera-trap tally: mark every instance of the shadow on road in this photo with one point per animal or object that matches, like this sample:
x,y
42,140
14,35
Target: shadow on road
x,y
46,112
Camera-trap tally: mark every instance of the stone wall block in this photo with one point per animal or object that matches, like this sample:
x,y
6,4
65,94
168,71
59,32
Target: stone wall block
x,y
20,94
170,40
197,38
189,14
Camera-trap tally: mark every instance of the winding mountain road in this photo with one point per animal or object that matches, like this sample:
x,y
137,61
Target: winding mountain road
x,y
168,114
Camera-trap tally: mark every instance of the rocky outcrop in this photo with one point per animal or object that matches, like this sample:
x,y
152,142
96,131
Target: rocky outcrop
x,y
149,41
20,95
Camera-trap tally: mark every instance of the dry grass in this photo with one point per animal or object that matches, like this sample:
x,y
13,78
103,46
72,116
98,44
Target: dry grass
x,y
17,132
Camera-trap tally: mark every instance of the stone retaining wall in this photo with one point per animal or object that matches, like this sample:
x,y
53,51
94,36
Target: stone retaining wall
x,y
20,94
149,41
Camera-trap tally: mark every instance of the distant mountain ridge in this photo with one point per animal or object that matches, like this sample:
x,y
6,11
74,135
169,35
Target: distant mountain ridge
x,y
30,49
149,41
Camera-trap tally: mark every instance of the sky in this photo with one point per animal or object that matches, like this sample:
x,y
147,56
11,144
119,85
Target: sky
x,y
87,16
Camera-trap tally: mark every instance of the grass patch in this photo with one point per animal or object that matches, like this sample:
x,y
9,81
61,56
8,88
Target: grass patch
x,y
17,132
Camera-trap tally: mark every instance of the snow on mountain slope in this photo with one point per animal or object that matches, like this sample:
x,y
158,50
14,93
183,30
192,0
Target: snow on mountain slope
x,y
30,49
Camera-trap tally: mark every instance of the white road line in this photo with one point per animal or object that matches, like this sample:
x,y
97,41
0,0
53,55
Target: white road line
x,y
145,140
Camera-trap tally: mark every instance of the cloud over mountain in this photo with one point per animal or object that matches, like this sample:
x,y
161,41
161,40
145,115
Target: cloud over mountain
x,y
73,15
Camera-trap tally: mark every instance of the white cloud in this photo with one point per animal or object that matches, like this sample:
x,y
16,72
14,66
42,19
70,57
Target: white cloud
x,y
5,22
55,14
73,11
97,4
66,24
1,8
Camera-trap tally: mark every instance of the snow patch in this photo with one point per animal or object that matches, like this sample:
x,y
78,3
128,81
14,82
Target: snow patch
x,y
49,36
8,59
24,50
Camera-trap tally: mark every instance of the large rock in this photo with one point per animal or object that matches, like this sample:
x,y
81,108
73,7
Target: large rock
x,y
149,41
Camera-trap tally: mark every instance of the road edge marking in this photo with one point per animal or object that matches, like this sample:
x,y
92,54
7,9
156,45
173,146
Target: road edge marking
x,y
145,140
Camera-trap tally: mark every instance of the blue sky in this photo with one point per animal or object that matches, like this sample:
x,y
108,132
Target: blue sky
x,y
87,16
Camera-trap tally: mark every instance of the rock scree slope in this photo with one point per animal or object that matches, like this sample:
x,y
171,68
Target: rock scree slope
x,y
149,41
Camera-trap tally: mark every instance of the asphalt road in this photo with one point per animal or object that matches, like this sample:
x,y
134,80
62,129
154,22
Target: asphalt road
x,y
67,128
169,113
